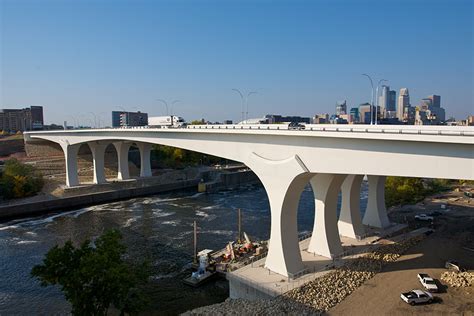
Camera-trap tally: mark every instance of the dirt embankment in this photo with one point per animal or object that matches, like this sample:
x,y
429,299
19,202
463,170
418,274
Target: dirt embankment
x,y
12,145
453,239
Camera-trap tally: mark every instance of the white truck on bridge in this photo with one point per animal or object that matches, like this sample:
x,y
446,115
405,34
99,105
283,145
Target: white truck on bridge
x,y
166,121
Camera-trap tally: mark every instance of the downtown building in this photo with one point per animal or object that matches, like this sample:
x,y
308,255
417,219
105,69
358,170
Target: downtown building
x,y
387,103
125,119
430,112
403,105
20,120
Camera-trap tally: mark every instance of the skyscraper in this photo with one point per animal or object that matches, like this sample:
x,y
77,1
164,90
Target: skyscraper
x,y
391,110
435,100
403,102
341,108
384,100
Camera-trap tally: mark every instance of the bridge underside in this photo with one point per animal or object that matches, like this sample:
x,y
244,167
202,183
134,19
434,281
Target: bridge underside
x,y
285,165
284,182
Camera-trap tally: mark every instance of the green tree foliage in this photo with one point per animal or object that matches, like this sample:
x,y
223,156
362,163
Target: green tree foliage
x,y
198,122
19,180
400,190
171,157
94,276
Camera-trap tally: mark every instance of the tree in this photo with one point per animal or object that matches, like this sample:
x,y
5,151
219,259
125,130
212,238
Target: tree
x,y
19,180
94,276
400,190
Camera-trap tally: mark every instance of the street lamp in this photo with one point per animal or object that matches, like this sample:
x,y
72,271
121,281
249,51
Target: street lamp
x,y
372,94
173,103
377,99
245,102
242,102
168,107
95,119
165,103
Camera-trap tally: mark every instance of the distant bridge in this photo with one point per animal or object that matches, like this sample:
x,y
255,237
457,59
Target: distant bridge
x,y
331,158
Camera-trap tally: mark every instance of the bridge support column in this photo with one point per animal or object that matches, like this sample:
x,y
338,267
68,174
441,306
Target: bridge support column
x,y
376,213
325,240
350,222
70,158
98,153
284,181
145,165
122,149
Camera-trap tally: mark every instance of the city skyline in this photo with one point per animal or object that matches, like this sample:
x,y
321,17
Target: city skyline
x,y
301,58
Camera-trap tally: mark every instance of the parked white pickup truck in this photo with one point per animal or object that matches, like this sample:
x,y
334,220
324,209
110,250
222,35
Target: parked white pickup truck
x,y
428,282
423,217
416,297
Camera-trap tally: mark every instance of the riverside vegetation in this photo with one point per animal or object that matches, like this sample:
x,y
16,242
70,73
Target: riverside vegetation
x,y
18,180
401,190
94,276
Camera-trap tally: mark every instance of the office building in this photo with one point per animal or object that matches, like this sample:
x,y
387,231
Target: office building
x,y
391,110
341,108
364,113
124,119
320,119
435,100
430,112
354,116
27,119
403,102
384,100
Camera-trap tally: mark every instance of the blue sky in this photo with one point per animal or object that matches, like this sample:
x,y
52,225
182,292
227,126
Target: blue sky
x,y
77,57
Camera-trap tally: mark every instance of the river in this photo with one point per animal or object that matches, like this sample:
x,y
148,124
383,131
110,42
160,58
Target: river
x,y
155,227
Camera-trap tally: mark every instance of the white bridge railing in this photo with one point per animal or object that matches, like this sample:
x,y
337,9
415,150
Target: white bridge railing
x,y
389,129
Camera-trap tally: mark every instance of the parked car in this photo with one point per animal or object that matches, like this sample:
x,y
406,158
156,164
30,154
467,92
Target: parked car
x,y
423,217
416,297
428,282
454,265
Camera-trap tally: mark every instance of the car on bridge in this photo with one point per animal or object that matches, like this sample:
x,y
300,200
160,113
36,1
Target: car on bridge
x,y
427,282
417,297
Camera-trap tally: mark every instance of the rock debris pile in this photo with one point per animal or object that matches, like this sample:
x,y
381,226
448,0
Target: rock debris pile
x,y
458,279
327,291
239,307
317,296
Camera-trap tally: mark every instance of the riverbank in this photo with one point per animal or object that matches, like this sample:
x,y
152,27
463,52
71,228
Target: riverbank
x,y
334,291
64,204
92,194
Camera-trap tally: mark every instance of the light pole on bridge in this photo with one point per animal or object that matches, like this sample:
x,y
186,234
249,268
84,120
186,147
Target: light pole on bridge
x,y
244,103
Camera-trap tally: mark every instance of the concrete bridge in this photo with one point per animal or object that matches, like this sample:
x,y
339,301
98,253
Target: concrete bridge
x,y
330,158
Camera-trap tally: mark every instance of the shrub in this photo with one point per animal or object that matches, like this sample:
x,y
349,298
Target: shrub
x,y
19,180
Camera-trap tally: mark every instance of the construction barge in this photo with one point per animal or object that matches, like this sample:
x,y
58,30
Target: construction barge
x,y
209,264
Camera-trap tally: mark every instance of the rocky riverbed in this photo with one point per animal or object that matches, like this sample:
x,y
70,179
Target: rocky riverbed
x,y
318,296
